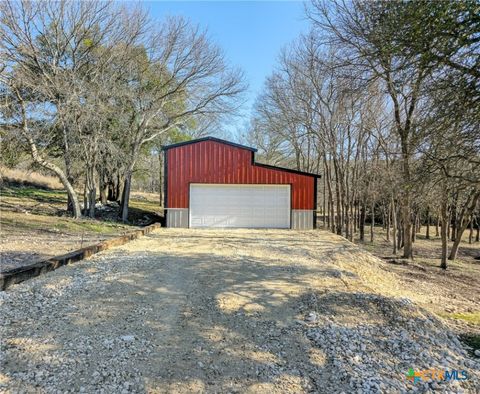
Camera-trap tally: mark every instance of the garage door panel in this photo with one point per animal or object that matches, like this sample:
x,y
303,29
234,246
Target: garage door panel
x,y
247,206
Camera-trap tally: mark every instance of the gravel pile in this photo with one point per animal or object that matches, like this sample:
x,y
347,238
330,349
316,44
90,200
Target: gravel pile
x,y
375,357
38,316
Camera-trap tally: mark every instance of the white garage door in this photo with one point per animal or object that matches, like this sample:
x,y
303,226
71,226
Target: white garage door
x,y
245,206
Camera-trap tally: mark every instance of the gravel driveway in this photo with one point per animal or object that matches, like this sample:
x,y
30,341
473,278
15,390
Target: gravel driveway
x,y
260,311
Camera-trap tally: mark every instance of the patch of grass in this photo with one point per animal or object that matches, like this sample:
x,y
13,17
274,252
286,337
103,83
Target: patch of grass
x,y
145,205
469,317
90,226
32,193
26,208
13,221
141,208
60,196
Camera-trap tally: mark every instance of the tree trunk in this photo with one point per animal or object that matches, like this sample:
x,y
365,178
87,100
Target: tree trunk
x,y
453,229
119,188
350,220
362,221
91,201
463,223
127,184
125,197
324,202
405,198
346,219
68,167
444,235
470,235
407,229
160,177
332,216
338,199
328,178
339,216
103,186
414,228
427,234
437,230
92,190
372,224
111,191
389,212
37,158
454,219
477,238
414,234
394,226
328,213
103,194
449,223
355,218
399,232
85,199
359,210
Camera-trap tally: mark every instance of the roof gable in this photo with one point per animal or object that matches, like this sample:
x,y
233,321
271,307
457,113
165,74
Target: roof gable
x,y
214,139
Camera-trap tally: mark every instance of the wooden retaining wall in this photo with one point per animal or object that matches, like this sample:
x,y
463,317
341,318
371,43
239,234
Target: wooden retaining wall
x,y
17,275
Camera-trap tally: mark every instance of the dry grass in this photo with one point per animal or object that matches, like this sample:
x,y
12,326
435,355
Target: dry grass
x,y
146,202
453,294
34,224
425,250
28,178
146,196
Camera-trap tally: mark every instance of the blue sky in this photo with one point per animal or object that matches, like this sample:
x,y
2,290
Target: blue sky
x,y
251,33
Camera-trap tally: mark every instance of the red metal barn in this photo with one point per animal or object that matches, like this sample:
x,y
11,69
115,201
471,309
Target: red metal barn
x,y
210,182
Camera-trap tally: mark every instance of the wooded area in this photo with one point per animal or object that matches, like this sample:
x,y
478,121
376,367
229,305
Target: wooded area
x,y
387,108
91,88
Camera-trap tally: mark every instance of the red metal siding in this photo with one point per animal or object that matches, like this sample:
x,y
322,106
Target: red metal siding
x,y
214,162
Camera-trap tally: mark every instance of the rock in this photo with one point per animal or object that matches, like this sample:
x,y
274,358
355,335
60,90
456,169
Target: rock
x,y
312,317
127,338
477,352
359,349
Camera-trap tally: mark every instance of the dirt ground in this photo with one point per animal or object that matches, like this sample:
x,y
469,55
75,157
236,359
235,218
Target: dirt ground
x,y
183,311
21,247
34,225
453,294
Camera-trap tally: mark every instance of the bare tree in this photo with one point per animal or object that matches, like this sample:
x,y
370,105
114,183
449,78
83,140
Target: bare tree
x,y
366,33
93,79
47,50
177,79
